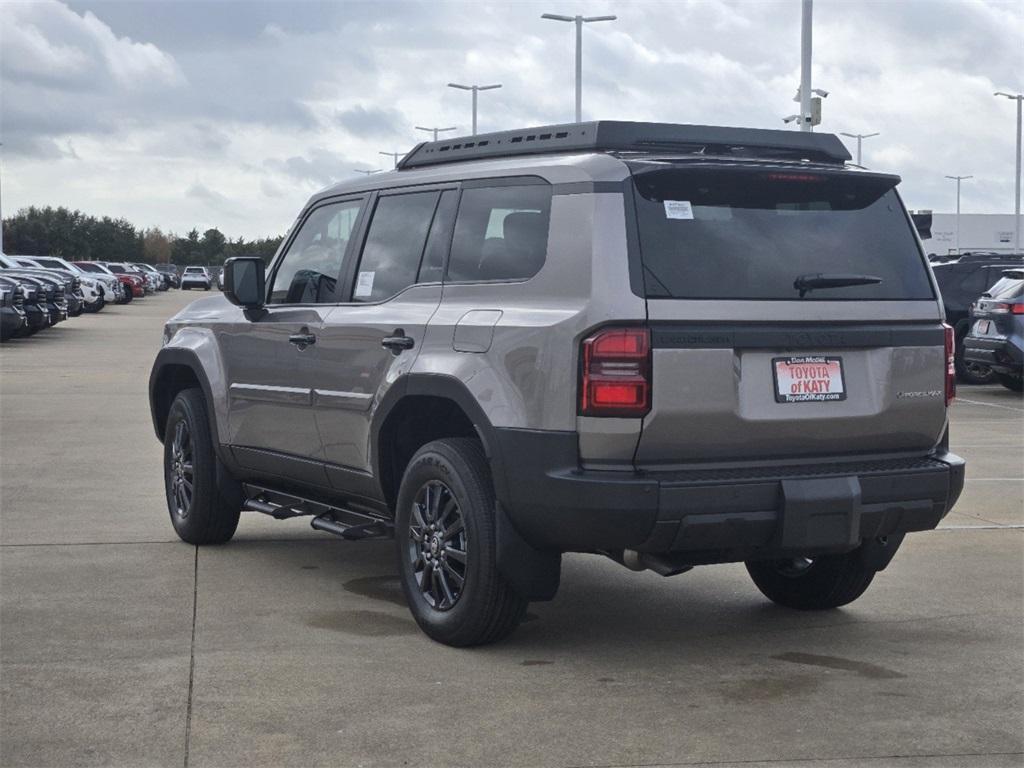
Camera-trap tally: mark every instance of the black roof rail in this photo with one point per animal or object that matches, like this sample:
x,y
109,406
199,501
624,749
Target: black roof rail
x,y
619,136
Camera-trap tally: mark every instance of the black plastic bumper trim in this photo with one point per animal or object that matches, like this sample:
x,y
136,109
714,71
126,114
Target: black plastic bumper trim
x,y
725,514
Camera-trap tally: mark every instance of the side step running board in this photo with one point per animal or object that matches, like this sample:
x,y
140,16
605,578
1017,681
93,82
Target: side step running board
x,y
380,529
348,523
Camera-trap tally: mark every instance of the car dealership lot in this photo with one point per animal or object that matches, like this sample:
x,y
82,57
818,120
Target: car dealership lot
x,y
120,645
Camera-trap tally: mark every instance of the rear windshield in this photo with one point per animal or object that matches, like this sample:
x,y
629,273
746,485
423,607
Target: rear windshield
x,y
1008,287
749,234
194,270
92,267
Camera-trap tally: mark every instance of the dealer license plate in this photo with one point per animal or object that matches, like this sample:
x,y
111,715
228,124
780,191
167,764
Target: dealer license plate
x,y
808,379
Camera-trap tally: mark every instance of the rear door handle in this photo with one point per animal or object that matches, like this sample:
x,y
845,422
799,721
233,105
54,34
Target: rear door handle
x,y
397,342
302,340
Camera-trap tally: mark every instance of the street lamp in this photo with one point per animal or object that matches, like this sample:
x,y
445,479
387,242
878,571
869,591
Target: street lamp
x,y
434,131
1018,97
958,180
579,21
859,137
364,171
475,89
393,155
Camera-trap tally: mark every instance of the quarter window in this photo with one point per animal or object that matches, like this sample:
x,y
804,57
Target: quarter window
x,y
501,233
394,245
310,269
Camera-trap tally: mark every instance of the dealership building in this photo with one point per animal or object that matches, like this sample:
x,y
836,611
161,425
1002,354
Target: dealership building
x,y
978,232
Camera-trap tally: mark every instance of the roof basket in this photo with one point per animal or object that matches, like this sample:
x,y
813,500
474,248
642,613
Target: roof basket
x,y
618,136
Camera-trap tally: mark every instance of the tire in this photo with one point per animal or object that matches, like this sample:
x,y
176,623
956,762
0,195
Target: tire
x,y
209,513
812,584
1015,383
483,609
971,373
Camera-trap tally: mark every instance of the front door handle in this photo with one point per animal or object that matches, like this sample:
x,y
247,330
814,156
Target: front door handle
x,y
397,342
303,339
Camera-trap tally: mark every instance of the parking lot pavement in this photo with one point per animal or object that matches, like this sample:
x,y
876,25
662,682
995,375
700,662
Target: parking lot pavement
x,y
121,646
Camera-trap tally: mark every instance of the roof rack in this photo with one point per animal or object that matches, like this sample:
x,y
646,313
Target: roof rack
x,y
619,136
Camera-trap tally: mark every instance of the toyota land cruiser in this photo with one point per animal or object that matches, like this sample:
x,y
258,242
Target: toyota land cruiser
x,y
671,345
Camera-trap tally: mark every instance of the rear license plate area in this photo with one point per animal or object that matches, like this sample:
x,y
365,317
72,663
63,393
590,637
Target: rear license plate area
x,y
808,379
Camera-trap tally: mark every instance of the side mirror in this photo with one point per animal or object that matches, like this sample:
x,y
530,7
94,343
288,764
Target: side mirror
x,y
245,281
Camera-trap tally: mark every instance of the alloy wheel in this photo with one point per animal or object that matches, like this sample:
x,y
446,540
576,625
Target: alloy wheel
x,y
437,546
180,471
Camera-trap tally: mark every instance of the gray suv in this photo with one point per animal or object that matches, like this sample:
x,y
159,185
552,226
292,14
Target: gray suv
x,y
671,345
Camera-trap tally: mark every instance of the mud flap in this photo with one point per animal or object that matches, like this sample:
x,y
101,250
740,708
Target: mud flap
x,y
820,514
533,573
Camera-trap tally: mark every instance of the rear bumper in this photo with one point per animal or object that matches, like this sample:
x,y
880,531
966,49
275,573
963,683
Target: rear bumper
x,y
717,515
1002,354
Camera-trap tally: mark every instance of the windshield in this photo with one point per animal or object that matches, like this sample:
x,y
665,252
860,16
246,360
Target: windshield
x,y
88,267
728,233
194,270
117,269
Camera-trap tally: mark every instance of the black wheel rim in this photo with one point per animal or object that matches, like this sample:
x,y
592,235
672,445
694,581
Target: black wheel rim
x,y
437,546
180,472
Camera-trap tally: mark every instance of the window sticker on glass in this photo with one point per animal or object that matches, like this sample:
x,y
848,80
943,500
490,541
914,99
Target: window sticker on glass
x,y
364,284
678,209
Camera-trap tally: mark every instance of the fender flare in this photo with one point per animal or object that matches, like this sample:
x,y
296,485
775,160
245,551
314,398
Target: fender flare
x,y
533,573
184,357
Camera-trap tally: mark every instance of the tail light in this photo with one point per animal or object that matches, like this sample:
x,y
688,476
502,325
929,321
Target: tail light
x,y
950,363
616,373
1017,309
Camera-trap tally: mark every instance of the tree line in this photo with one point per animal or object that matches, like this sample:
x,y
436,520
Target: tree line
x,y
76,236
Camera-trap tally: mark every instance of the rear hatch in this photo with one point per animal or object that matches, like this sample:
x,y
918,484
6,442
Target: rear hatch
x,y
792,316
1000,307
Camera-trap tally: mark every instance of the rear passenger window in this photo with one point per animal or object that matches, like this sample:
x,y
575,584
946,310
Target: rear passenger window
x,y
394,245
501,233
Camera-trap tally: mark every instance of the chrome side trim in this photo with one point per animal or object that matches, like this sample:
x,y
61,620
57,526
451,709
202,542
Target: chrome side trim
x,y
271,394
331,398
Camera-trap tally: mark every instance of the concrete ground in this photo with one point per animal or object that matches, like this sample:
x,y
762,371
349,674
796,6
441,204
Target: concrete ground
x,y
122,646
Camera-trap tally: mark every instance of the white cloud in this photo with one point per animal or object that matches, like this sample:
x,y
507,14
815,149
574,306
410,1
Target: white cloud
x,y
185,114
51,44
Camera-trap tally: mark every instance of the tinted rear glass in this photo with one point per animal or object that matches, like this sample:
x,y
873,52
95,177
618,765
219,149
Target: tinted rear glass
x,y
749,234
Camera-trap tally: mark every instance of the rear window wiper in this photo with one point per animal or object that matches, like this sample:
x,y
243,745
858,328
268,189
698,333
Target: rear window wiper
x,y
807,283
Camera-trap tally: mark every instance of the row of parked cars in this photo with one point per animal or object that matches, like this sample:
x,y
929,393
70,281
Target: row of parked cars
x,y
983,296
37,292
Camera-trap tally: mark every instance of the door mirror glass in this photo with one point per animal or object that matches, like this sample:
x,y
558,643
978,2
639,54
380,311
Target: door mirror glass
x,y
244,281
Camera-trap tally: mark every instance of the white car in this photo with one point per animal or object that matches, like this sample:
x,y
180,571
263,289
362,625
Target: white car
x,y
97,289
196,277
153,274
118,293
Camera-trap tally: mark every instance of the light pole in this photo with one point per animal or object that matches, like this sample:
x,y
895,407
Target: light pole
x,y
958,180
1018,97
394,156
475,89
579,21
434,131
805,65
859,137
366,172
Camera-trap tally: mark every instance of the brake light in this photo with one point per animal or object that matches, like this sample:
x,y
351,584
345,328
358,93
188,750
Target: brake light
x,y
616,369
1017,309
950,363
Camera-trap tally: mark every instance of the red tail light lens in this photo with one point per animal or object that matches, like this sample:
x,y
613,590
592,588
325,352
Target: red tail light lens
x,y
950,363
1017,309
616,373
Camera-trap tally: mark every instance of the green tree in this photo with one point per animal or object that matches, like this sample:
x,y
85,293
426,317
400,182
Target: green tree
x,y
212,246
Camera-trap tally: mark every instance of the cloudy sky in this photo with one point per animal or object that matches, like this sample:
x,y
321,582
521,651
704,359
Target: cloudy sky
x,y
230,114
